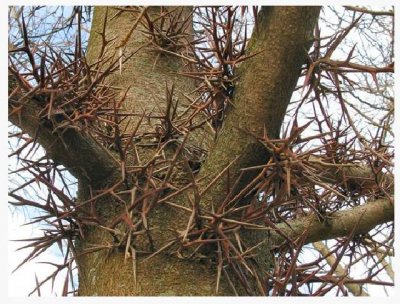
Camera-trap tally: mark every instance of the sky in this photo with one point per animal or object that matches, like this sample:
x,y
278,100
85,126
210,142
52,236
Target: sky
x,y
21,282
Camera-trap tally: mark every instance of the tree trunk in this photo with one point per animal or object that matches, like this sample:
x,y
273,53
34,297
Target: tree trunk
x,y
265,86
147,74
141,215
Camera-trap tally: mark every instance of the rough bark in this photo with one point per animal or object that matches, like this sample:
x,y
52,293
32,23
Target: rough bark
x,y
281,39
147,74
266,83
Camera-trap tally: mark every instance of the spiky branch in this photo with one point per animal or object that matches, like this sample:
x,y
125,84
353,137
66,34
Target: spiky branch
x,y
259,198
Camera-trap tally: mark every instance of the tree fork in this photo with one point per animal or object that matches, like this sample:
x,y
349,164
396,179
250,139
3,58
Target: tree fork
x,y
147,74
138,240
265,85
282,35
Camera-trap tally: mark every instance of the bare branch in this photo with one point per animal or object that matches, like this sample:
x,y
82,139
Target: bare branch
x,y
355,289
367,11
339,224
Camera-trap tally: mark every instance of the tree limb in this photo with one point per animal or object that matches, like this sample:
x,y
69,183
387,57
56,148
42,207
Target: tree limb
x,y
367,11
355,288
381,255
339,224
354,176
70,147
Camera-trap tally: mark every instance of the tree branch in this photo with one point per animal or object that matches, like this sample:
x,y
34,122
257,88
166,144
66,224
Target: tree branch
x,y
367,11
362,219
266,82
70,147
355,288
354,176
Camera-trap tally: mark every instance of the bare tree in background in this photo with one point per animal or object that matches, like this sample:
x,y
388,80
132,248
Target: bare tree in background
x,y
207,159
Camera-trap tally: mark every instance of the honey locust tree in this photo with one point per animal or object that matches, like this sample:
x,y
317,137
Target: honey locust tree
x,y
206,159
